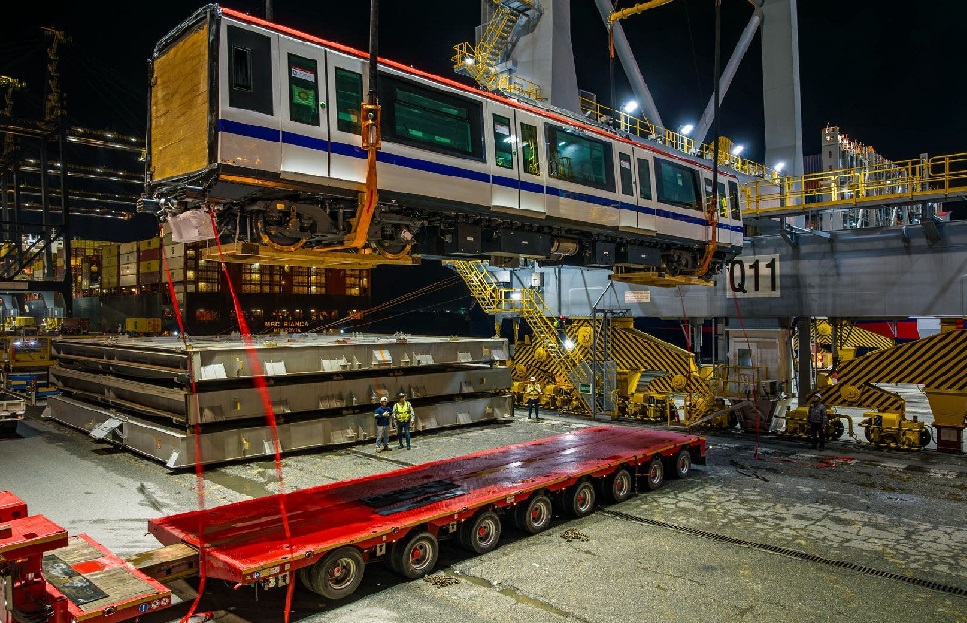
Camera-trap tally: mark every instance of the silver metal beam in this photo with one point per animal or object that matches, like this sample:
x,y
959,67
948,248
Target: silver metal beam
x,y
630,65
705,123
889,272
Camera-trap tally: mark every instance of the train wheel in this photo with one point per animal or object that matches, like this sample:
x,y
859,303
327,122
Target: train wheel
x,y
579,499
534,515
683,464
617,486
416,556
338,574
655,476
480,535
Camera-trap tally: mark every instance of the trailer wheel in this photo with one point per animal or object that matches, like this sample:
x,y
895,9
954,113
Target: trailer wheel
x,y
578,500
535,515
338,574
617,486
480,535
838,429
655,475
305,577
683,464
416,556
925,436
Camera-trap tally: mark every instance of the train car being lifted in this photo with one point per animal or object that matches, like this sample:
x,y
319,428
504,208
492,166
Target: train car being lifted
x,y
326,535
268,128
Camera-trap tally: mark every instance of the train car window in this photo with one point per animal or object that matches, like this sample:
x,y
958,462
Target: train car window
x,y
349,100
503,142
627,180
422,117
734,201
303,90
644,178
676,184
528,147
250,59
579,159
723,201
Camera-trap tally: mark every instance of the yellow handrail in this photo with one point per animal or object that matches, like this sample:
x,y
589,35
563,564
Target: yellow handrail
x,y
887,182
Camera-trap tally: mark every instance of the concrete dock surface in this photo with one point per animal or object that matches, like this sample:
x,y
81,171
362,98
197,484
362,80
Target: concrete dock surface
x,y
768,530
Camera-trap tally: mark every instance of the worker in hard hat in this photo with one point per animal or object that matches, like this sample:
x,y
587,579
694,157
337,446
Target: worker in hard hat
x,y
403,413
532,392
382,414
817,418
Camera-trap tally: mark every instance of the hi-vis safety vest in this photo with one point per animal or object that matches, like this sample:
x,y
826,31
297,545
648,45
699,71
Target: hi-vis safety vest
x,y
403,411
533,390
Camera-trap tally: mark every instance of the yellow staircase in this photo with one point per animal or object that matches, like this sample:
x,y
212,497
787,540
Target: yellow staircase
x,y
566,366
480,61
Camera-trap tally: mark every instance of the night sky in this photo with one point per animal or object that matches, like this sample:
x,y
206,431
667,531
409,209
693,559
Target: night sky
x,y
888,73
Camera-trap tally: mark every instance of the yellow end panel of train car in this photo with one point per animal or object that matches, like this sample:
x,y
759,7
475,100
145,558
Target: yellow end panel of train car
x,y
179,107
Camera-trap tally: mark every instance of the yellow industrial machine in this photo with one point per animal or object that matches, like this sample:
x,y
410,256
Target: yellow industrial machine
x,y
797,425
938,363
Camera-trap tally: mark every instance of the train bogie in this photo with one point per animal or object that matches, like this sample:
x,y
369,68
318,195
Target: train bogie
x,y
264,125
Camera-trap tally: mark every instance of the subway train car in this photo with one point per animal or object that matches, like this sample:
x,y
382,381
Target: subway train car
x,y
260,125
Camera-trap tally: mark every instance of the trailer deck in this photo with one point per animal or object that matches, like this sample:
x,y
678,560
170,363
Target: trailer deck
x,y
246,541
45,575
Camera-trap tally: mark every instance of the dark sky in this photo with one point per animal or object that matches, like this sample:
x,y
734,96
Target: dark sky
x,y
888,73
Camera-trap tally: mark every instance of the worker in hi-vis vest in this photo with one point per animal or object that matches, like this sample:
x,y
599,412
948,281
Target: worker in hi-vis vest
x,y
403,412
533,394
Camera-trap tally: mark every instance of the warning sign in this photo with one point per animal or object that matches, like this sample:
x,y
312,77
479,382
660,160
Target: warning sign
x,y
637,296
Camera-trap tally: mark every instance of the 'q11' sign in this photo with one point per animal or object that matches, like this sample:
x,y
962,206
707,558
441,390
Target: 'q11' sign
x,y
754,276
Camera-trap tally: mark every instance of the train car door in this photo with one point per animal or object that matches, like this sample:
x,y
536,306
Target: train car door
x,y
305,144
504,158
627,204
532,169
723,229
346,83
645,197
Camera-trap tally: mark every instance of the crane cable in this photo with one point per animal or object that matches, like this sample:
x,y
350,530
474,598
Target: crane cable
x,y
196,433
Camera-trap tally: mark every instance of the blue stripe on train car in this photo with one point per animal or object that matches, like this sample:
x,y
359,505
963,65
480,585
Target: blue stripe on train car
x,y
354,151
301,140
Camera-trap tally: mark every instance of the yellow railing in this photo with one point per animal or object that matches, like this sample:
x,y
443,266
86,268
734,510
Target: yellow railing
x,y
676,140
890,182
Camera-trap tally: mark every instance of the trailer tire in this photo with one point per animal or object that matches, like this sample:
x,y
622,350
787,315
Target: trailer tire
x,y
416,556
338,574
578,500
535,514
683,464
481,533
655,474
617,487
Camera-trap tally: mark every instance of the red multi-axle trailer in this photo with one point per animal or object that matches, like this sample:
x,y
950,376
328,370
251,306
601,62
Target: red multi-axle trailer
x,y
327,534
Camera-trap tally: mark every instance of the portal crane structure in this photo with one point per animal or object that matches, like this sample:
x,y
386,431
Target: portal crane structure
x,y
635,375
564,366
